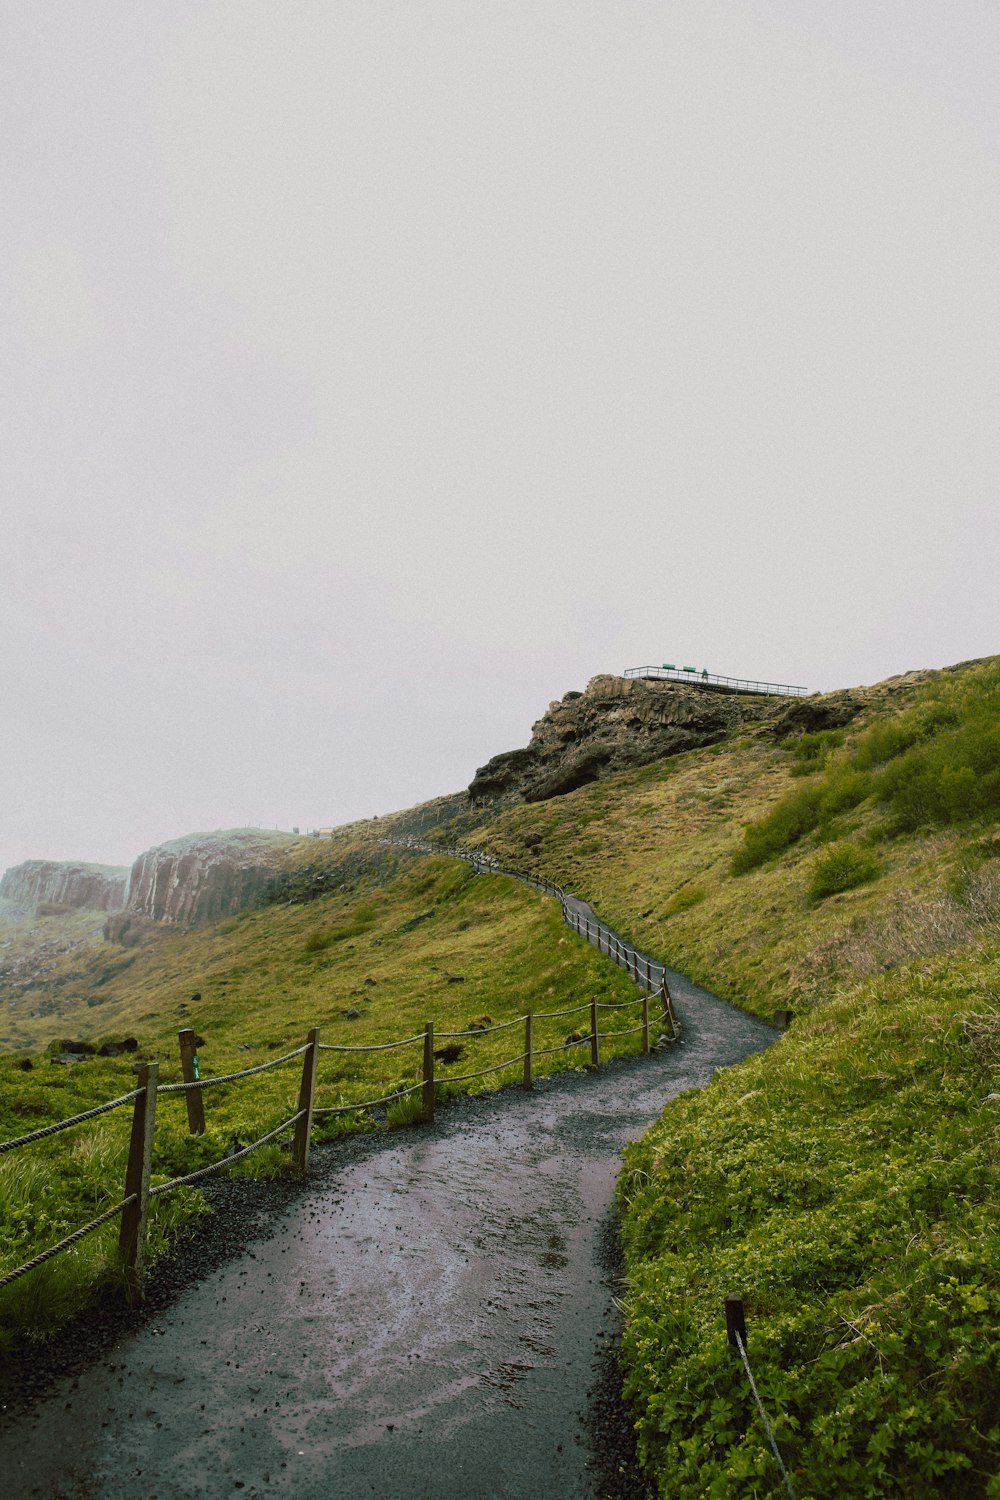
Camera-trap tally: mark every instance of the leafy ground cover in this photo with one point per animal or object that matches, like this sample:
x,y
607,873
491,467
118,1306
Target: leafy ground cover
x,y
416,941
844,1183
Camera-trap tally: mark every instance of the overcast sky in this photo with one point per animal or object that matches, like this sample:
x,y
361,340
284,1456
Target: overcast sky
x,y
374,372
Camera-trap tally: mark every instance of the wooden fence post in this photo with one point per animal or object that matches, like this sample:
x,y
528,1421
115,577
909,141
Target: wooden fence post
x,y
595,1040
191,1072
645,1023
428,1093
670,1007
529,1042
735,1320
668,1014
307,1090
132,1234
649,976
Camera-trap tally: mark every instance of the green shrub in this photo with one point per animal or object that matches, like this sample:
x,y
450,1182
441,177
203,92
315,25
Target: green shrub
x,y
405,1112
841,868
884,741
811,750
684,899
844,1184
784,825
935,765
843,790
950,779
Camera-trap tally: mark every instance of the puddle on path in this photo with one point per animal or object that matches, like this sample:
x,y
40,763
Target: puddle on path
x,y
423,1325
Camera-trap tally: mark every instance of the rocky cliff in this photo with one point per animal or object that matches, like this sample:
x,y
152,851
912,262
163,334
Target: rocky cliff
x,y
41,882
199,878
620,723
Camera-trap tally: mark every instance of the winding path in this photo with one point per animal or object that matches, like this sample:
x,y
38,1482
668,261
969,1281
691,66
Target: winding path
x,y
423,1323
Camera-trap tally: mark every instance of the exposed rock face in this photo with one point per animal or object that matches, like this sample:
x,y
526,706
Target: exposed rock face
x,y
40,882
617,724
199,878
809,715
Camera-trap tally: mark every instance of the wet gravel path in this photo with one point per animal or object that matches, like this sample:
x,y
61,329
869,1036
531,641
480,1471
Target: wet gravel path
x,y
430,1317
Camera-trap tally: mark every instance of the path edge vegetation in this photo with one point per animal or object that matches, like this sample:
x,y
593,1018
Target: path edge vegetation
x,y
843,1182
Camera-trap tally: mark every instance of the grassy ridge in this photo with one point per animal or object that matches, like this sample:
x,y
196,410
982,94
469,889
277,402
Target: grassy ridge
x,y
426,941
843,1182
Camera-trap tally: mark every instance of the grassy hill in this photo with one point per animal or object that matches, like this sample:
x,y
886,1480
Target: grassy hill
x,y
405,942
843,1182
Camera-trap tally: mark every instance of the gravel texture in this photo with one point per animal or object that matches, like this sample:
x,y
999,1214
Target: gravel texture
x,y
430,1314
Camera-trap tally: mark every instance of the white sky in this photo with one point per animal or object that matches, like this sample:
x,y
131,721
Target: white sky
x,y
373,371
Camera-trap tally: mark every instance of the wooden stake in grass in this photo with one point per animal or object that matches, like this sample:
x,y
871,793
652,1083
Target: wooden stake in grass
x,y
428,1092
307,1091
529,1041
645,1023
668,1009
735,1320
595,1040
132,1234
191,1072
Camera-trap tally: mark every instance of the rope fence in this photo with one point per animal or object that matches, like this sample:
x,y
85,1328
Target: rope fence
x,y
644,970
46,1130
206,1083
227,1161
139,1189
71,1239
373,1047
736,1332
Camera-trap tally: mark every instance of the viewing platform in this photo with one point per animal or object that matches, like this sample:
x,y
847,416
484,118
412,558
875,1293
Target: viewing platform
x,y
712,682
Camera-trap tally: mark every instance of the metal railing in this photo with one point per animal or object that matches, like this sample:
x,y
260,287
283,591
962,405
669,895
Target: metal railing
x,y
714,680
649,976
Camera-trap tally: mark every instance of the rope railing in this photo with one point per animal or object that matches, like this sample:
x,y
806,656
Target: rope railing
x,y
624,954
555,1015
204,1083
346,1109
71,1239
485,1030
373,1047
88,1114
494,1068
134,1206
736,1332
226,1161
579,1041
763,1418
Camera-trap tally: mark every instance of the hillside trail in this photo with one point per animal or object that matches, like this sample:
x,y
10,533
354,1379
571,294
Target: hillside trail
x,y
424,1322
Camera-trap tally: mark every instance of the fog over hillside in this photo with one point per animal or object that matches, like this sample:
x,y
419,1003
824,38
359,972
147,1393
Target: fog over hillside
x,y
375,376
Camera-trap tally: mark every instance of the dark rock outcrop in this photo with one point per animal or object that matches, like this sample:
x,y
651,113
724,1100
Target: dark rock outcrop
x,y
200,878
810,715
65,884
619,723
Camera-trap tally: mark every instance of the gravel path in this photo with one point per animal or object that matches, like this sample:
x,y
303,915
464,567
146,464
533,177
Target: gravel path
x,y
430,1317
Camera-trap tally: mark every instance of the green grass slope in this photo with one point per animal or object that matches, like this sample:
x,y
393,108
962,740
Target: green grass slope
x,y
844,1183
408,941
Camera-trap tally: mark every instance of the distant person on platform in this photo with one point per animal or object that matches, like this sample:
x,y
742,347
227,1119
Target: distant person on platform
x,y
704,674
